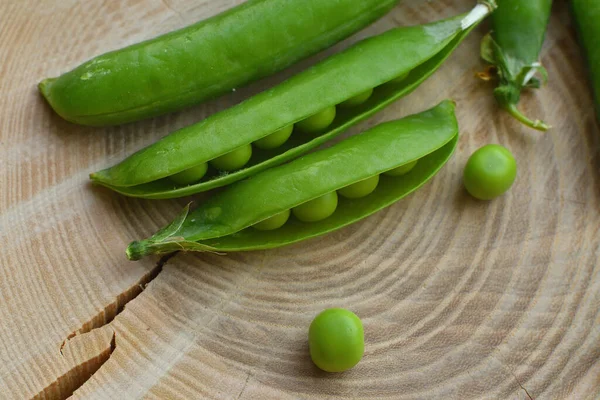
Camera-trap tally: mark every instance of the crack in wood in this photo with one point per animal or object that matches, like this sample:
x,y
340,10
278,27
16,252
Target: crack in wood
x,y
244,387
522,387
107,315
65,385
80,374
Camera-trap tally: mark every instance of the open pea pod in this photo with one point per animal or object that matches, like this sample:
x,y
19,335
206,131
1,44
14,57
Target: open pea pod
x,y
391,65
229,220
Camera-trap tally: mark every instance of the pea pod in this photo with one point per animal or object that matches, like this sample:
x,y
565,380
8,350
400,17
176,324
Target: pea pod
x,y
373,63
225,221
205,60
586,14
513,48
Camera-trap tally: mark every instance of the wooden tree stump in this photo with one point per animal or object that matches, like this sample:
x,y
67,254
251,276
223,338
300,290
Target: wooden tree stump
x,y
460,299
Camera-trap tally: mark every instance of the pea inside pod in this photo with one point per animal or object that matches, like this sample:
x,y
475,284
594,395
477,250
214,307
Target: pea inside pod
x,y
372,64
227,221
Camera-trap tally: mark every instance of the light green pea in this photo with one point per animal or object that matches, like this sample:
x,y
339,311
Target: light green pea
x,y
357,100
336,340
318,122
274,222
400,78
190,175
401,170
233,160
490,172
317,209
360,189
275,139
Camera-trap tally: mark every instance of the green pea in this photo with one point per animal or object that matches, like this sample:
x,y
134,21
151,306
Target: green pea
x,y
233,160
274,222
318,122
357,100
360,189
275,139
400,78
490,172
190,175
336,340
317,209
401,170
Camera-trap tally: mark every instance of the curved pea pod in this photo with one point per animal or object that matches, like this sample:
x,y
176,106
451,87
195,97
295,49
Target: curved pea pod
x,y
224,222
204,60
586,14
513,48
414,52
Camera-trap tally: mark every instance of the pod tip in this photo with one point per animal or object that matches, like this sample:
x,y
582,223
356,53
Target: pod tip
x,y
44,89
135,251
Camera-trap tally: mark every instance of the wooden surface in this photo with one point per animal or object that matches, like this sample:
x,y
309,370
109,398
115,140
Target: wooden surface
x,y
460,299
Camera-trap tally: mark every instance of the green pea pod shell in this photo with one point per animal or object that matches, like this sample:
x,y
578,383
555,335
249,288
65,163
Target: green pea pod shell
x,y
372,63
513,48
223,222
204,60
586,14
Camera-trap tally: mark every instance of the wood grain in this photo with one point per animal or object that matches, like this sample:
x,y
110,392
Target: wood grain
x,y
460,299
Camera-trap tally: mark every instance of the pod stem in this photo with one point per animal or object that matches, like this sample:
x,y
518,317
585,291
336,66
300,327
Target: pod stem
x,y
481,10
518,115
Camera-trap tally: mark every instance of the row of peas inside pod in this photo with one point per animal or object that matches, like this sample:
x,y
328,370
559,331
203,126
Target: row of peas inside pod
x,y
324,206
239,157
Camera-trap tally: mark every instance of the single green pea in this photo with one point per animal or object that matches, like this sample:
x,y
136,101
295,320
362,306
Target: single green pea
x,y
233,160
401,170
360,189
274,222
275,139
336,340
190,175
490,172
400,78
357,100
317,209
318,122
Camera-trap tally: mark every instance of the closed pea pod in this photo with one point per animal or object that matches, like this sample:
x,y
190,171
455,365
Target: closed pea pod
x,y
224,222
513,48
372,63
204,60
586,14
